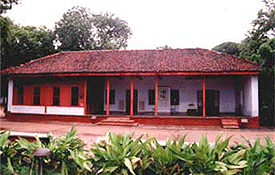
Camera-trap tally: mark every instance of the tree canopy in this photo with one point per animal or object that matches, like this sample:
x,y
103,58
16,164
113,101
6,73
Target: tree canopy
x,y
81,30
259,46
73,31
26,43
263,28
228,47
110,32
7,5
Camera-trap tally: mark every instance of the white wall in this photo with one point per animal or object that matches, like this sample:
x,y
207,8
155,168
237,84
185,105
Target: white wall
x,y
65,110
251,97
187,91
55,110
28,109
10,94
225,85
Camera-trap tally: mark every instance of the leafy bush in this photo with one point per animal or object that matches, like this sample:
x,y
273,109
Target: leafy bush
x,y
67,155
122,154
118,154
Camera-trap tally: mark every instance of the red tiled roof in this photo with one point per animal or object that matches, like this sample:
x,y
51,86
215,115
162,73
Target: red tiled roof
x,y
119,61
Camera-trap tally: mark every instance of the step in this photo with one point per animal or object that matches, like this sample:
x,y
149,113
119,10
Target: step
x,y
230,123
117,124
118,121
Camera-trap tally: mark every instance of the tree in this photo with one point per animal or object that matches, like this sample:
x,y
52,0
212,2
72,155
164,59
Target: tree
x,y
7,5
5,29
228,48
263,29
26,43
110,32
260,48
73,31
81,30
265,56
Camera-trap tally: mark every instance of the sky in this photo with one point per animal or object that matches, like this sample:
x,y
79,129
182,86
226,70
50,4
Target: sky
x,y
156,23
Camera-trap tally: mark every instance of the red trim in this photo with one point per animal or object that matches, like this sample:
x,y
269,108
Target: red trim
x,y
108,96
203,97
49,106
85,95
134,73
132,96
156,95
253,122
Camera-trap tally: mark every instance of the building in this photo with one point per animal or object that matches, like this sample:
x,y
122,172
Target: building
x,y
169,86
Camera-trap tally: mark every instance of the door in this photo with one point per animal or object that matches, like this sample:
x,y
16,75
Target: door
x,y
164,103
212,104
128,99
95,95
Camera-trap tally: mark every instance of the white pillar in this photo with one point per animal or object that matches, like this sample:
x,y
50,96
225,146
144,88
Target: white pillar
x,y
251,96
10,94
254,96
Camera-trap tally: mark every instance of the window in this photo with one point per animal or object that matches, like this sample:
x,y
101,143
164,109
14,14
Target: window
x,y
56,96
74,96
112,97
20,95
174,97
36,96
151,97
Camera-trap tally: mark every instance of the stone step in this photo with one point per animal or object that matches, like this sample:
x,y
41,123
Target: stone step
x,y
118,121
230,123
117,124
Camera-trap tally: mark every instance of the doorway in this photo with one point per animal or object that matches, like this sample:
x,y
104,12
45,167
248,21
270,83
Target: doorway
x,y
128,100
212,102
95,95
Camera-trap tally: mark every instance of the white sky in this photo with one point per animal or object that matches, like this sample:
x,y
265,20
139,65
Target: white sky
x,y
154,23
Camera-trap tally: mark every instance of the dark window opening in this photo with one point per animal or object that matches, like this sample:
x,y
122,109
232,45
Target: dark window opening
x,y
20,95
175,97
151,97
56,96
74,100
36,96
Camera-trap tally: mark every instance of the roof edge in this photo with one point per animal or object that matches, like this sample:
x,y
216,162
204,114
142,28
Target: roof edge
x,y
136,73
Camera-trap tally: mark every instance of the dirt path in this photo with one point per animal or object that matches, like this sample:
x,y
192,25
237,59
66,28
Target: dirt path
x,y
90,132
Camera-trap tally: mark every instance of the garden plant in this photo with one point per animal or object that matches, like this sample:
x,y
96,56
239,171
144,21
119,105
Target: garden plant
x,y
126,154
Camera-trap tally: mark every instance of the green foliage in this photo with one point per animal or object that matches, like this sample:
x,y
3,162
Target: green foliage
x,y
80,30
121,154
258,46
165,161
117,154
26,43
68,154
263,28
110,32
265,56
228,48
260,158
73,31
7,5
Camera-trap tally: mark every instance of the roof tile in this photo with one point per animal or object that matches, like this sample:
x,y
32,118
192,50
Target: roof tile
x,y
166,60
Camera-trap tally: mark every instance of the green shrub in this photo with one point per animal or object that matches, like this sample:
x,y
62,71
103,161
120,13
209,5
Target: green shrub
x,y
122,154
118,154
67,155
